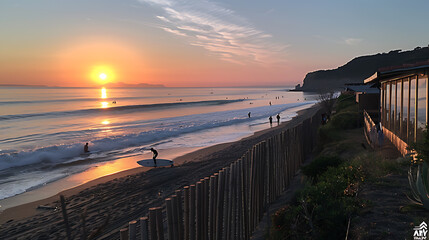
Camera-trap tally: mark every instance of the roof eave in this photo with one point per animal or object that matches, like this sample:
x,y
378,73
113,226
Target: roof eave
x,y
372,78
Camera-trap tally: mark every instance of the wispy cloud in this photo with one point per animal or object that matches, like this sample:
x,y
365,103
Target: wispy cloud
x,y
219,30
341,41
174,31
353,41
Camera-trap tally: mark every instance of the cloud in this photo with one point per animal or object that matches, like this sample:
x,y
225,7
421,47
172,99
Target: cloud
x,y
353,41
340,41
158,2
174,31
218,30
163,18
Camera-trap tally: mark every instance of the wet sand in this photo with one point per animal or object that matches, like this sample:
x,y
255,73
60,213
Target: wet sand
x,y
128,195
95,172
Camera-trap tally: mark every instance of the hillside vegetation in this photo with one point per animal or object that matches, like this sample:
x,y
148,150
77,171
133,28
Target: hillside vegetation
x,y
361,68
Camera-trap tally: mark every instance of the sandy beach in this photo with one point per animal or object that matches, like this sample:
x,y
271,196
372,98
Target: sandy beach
x,y
127,195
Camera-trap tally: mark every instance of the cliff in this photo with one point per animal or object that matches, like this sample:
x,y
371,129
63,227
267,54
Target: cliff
x,y
359,69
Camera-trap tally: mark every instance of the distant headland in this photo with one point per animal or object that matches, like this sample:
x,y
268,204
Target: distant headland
x,y
359,69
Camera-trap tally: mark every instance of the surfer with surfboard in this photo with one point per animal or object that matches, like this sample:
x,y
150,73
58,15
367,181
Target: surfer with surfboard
x,y
155,154
155,162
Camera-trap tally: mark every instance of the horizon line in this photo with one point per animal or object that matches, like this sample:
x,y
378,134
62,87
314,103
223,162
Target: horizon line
x,y
96,87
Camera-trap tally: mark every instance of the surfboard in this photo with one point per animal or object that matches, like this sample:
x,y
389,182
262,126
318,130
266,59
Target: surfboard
x,y
159,162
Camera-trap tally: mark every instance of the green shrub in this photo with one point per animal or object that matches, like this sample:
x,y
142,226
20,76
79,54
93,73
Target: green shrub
x,y
351,108
344,97
345,102
327,133
319,166
422,147
345,120
347,117
289,223
332,200
322,209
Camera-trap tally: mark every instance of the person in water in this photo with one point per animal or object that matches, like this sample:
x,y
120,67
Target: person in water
x,y
248,114
155,154
278,118
271,120
85,148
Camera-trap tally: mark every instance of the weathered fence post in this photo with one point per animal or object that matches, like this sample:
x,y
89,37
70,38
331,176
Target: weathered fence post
x,y
239,199
192,213
124,233
143,229
219,209
211,206
180,214
226,202
175,217
132,229
159,224
206,207
169,207
198,209
232,234
186,211
152,224
228,209
245,194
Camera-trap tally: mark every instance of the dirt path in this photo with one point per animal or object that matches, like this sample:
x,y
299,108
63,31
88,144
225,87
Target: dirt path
x,y
385,216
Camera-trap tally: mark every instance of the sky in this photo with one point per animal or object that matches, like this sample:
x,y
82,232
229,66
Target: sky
x,y
197,43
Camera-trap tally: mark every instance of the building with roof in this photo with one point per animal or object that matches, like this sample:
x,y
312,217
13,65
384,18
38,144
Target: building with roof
x,y
404,103
367,95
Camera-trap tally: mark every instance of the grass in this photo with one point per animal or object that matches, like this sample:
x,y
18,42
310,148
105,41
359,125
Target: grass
x,y
375,166
346,103
319,165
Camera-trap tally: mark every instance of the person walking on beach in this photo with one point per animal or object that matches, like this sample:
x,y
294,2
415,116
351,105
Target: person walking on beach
x,y
278,118
85,148
155,154
248,114
271,120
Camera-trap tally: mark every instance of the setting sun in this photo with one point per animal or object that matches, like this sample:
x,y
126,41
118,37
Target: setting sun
x,y
102,76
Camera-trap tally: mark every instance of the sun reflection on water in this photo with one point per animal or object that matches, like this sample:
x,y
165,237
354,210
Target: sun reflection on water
x,y
104,104
103,93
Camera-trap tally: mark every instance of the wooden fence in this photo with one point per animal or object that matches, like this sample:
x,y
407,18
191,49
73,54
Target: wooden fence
x,y
230,203
369,129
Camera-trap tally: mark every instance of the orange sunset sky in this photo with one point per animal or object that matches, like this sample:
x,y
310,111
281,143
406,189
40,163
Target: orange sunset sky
x,y
196,43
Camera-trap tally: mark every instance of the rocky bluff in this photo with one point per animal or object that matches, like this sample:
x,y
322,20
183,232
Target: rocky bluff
x,y
360,68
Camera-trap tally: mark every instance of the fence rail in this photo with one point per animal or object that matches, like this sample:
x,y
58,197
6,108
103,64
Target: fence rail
x,y
230,203
369,130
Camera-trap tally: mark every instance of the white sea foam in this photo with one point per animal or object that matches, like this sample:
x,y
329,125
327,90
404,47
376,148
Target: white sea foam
x,y
42,135
152,131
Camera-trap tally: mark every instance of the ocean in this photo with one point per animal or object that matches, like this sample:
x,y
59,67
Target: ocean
x,y
43,130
